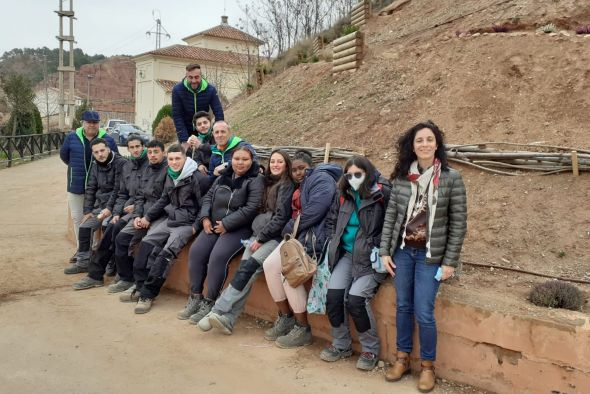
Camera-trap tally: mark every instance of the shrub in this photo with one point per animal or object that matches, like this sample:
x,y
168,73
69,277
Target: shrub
x,y
165,131
503,28
348,29
583,29
557,294
549,28
166,110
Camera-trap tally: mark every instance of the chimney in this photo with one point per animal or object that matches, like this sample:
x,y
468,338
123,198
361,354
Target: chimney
x,y
224,19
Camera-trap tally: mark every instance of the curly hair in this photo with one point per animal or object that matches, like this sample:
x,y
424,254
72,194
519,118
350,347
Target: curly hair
x,y
370,178
405,149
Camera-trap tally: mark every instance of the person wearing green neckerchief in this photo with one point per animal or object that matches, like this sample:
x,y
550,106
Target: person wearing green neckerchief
x,y
191,95
200,141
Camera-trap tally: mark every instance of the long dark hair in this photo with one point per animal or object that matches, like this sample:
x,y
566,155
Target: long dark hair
x,y
269,178
370,178
405,149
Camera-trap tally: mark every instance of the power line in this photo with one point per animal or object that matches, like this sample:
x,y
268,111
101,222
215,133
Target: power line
x,y
158,33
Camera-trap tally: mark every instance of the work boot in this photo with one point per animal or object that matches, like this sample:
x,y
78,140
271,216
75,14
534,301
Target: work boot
x,y
75,269
191,307
282,326
298,336
74,258
399,368
111,269
143,305
119,286
367,361
221,322
332,353
427,378
129,295
87,283
204,308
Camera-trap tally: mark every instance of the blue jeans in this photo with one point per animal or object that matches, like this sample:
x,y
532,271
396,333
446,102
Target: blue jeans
x,y
415,289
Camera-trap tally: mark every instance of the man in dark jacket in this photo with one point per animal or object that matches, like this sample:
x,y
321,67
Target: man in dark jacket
x,y
223,150
129,180
189,96
76,153
181,201
99,199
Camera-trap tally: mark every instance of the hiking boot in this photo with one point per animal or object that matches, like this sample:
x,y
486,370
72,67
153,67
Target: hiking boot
x,y
367,361
221,322
427,378
143,305
282,326
129,295
87,283
399,368
111,269
119,286
332,353
298,336
204,324
75,269
74,258
204,308
192,306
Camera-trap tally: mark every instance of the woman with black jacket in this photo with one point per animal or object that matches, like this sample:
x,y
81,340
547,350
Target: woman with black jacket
x,y
267,227
226,216
355,223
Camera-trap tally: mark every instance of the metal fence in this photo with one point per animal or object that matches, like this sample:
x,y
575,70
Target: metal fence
x,y
29,147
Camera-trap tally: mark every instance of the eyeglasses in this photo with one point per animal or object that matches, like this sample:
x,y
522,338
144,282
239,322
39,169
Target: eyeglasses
x,y
357,175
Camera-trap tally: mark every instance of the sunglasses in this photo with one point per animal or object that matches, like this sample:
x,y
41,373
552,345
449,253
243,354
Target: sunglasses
x,y
357,175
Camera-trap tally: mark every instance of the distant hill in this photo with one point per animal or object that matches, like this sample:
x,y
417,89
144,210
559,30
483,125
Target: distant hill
x,y
29,61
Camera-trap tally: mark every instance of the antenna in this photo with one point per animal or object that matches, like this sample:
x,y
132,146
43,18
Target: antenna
x,y
158,33
224,7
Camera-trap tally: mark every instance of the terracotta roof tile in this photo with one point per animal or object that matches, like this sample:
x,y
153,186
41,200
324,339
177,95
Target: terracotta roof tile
x,y
199,54
166,84
228,32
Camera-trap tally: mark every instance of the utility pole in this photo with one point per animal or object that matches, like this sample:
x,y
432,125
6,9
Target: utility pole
x,y
89,76
158,33
66,105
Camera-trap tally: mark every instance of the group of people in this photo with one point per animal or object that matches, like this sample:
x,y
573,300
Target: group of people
x,y
212,187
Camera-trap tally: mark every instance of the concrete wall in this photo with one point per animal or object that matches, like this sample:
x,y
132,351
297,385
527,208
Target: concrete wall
x,y
497,351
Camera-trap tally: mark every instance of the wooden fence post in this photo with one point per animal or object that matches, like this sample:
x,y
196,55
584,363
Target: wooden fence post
x,y
327,153
575,168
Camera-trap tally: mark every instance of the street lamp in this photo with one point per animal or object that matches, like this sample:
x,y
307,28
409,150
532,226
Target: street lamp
x,y
89,76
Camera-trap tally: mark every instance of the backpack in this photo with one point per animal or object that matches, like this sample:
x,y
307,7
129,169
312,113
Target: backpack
x,y
296,265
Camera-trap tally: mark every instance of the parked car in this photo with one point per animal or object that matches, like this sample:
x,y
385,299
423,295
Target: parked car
x,y
111,123
121,132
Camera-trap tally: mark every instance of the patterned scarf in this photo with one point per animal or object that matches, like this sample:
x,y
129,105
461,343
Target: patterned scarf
x,y
427,182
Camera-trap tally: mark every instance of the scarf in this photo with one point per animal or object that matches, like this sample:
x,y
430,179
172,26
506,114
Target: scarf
x,y
143,155
173,174
421,184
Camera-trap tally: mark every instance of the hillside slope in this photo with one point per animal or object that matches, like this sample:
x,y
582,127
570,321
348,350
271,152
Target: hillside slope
x,y
518,87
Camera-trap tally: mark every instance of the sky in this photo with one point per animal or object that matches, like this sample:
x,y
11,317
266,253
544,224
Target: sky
x,y
110,27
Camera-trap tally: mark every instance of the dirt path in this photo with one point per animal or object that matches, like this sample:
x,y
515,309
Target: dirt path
x,y
55,340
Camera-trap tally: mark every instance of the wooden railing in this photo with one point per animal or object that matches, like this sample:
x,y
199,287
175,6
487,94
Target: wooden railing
x,y
28,147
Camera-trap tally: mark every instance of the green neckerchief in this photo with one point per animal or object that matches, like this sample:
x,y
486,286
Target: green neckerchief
x,y
143,154
205,137
174,174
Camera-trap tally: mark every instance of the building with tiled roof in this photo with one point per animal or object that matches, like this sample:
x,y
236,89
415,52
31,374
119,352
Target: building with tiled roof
x,y
227,57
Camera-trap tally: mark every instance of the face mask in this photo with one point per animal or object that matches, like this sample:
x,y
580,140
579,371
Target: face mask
x,y
355,180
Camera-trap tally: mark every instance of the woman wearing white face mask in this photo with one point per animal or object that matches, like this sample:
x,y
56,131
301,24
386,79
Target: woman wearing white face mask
x,y
355,223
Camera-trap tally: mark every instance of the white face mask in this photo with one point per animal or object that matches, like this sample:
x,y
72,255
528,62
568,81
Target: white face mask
x,y
355,182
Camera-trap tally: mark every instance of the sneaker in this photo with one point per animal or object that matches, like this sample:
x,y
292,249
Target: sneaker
x,y
204,308
282,326
221,322
111,269
143,305
367,361
332,353
204,324
298,336
129,295
75,269
119,286
192,306
87,283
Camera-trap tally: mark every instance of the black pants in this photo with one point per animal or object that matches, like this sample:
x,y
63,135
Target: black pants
x,y
100,260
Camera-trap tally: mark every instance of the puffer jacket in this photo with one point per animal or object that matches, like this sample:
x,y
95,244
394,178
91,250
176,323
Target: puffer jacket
x,y
186,102
450,219
280,212
181,198
318,192
151,186
235,202
129,183
103,183
76,153
370,213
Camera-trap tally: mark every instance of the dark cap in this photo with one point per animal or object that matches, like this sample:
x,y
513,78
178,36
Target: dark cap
x,y
90,116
